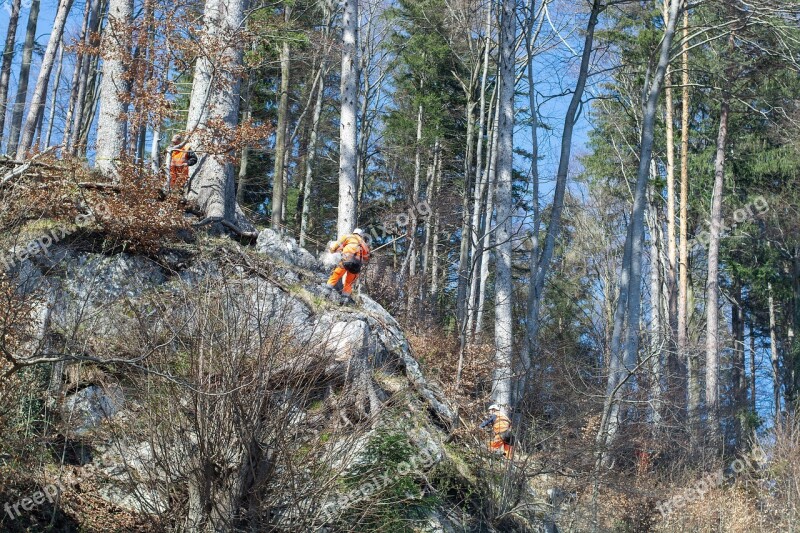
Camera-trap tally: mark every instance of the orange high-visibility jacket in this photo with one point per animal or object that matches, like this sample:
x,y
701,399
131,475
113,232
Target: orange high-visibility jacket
x,y
501,424
180,155
352,246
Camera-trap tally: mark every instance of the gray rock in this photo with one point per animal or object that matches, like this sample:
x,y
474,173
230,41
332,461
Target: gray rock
x,y
88,407
137,499
285,249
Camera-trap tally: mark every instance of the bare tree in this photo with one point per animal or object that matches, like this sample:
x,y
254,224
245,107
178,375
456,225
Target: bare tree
x,y
278,194
78,106
112,123
504,322
540,265
40,91
348,160
54,100
623,367
213,113
24,75
693,387
8,58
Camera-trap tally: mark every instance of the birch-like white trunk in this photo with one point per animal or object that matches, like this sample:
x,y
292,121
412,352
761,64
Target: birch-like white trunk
x,y
215,99
348,159
488,230
504,323
312,156
18,110
45,70
278,191
622,367
56,86
712,282
8,58
112,122
656,317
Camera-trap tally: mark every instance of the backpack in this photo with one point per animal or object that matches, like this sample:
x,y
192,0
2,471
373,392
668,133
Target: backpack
x,y
507,436
355,262
191,158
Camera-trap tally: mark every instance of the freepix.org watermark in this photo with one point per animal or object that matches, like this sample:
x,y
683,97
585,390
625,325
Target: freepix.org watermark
x,y
42,243
396,223
748,213
698,490
379,482
48,493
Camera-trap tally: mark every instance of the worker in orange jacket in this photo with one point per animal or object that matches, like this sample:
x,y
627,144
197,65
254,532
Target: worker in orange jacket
x,y
181,157
355,255
501,431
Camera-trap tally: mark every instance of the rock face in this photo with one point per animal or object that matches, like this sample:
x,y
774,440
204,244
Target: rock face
x,y
109,310
285,249
88,407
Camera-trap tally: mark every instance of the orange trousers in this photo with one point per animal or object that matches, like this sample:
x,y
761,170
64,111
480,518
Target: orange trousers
x,y
349,278
498,444
178,176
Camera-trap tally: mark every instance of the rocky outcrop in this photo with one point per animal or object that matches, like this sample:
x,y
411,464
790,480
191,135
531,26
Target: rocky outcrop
x,y
89,407
132,316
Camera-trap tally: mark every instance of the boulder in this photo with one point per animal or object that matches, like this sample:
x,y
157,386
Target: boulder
x,y
285,249
88,407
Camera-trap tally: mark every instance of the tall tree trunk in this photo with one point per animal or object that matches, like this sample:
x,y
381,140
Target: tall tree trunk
x,y
774,357
792,351
89,106
504,323
8,58
244,160
37,132
753,394
479,191
692,371
112,123
80,80
481,182
672,295
712,282
348,179
22,83
738,376
533,260
40,91
215,98
410,261
56,86
541,266
278,192
623,368
656,318
431,200
462,283
363,121
488,232
311,158
435,206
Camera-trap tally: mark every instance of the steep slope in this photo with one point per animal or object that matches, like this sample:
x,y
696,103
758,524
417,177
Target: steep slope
x,y
214,388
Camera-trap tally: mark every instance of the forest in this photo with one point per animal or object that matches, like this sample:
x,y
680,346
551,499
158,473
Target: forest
x,y
584,214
